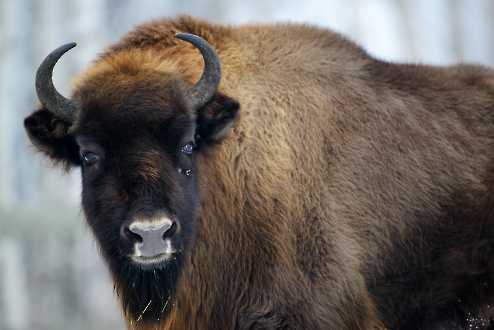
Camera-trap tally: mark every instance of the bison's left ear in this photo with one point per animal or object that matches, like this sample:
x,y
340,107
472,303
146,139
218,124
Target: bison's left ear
x,y
216,118
49,135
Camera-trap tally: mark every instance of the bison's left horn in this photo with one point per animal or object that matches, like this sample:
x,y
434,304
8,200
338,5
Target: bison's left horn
x,y
205,88
52,100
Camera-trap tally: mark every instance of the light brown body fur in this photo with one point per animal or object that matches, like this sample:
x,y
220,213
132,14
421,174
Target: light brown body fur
x,y
336,160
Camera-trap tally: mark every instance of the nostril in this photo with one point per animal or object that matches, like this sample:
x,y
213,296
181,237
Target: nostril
x,y
132,236
170,231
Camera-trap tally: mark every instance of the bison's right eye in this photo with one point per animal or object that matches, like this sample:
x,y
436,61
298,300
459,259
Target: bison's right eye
x,y
89,158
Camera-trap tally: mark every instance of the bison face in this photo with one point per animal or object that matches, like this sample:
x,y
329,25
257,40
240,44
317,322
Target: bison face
x,y
137,154
136,134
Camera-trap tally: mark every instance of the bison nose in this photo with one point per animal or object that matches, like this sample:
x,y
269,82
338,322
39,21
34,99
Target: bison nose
x,y
150,238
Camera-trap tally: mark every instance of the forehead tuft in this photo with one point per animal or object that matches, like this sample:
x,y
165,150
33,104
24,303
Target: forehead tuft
x,y
131,61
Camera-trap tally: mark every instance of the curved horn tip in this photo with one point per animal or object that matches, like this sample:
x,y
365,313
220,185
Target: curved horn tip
x,y
185,35
63,49
69,45
191,38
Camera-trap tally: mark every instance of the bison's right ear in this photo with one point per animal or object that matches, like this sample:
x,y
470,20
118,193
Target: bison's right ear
x,y
51,136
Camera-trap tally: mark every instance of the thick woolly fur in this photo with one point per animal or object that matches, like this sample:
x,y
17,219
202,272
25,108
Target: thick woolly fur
x,y
350,193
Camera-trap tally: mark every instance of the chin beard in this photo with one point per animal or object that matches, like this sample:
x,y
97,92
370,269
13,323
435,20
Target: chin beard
x,y
146,294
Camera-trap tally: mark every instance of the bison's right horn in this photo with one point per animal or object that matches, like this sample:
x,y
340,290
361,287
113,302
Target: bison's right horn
x,y
52,100
207,86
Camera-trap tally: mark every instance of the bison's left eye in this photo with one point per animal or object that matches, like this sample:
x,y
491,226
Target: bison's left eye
x,y
187,148
89,158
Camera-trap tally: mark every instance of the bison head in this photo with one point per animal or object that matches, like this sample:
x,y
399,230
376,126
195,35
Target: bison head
x,y
136,133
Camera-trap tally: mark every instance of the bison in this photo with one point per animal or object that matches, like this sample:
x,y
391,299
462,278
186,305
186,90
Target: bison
x,y
278,177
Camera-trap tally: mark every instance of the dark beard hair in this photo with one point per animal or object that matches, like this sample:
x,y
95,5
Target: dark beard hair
x,y
147,295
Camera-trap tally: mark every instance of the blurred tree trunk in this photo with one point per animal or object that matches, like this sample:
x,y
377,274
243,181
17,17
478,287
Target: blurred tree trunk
x,y
16,72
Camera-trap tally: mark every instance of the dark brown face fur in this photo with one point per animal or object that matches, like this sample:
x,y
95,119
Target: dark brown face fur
x,y
128,140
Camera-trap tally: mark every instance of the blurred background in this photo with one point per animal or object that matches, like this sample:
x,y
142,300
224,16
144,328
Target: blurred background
x,y
51,276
